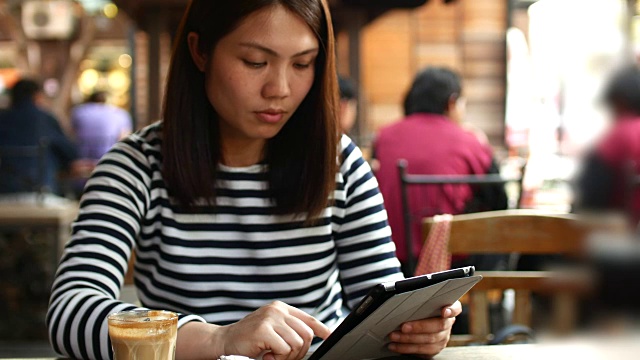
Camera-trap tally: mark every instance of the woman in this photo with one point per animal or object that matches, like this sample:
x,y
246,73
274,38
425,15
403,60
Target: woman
x,y
235,200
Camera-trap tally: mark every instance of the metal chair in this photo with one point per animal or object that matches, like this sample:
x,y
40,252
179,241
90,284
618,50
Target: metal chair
x,y
410,218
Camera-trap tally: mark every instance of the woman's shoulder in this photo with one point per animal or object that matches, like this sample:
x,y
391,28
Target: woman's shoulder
x,y
351,158
148,136
348,149
143,143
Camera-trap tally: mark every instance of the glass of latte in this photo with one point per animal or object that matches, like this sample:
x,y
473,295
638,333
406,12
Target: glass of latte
x,y
143,334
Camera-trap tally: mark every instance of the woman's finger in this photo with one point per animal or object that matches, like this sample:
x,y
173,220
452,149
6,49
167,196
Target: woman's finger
x,y
304,332
275,340
295,342
399,337
453,310
318,328
427,326
418,349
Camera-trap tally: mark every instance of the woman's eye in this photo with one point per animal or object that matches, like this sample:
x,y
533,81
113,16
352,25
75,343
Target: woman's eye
x,y
303,66
254,64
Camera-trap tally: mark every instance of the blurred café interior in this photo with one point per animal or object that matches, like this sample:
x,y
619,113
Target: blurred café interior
x,y
533,75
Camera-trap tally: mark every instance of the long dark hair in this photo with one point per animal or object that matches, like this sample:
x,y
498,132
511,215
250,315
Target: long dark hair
x,y
301,158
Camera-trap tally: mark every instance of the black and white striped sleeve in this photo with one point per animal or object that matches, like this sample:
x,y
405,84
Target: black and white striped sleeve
x,y
366,253
92,269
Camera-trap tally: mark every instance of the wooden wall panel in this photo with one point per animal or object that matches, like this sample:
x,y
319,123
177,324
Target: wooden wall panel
x,y
387,57
482,44
141,81
467,35
438,55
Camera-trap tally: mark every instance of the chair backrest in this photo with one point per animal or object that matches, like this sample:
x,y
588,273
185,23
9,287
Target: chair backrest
x,y
410,217
525,232
12,174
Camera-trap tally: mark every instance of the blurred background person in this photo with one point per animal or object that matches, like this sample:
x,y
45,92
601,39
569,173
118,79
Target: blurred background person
x,y
348,103
601,185
99,125
433,142
27,124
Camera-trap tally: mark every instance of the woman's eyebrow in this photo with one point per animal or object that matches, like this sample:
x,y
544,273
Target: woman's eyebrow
x,y
273,52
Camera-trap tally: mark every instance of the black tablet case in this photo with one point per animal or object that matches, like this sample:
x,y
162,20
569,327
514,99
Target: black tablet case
x,y
363,334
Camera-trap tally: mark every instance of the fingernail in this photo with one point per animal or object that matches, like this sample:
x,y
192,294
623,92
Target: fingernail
x,y
448,313
395,336
407,328
393,347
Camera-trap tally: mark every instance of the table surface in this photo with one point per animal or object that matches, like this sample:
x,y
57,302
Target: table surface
x,y
14,214
584,349
626,348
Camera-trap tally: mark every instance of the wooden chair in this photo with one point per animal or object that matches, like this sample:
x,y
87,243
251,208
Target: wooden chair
x,y
412,217
523,232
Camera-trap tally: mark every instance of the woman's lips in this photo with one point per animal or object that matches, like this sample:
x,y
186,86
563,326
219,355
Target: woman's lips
x,y
270,117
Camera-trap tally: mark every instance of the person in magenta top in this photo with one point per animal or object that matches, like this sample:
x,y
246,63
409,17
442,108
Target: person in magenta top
x,y
601,185
432,141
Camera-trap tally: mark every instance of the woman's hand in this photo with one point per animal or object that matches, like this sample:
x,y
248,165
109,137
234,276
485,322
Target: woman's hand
x,y
427,337
276,331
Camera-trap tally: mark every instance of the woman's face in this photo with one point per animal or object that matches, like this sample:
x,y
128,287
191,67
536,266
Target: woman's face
x,y
257,75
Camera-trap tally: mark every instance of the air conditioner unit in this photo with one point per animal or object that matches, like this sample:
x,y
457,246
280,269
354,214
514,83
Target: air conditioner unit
x,y
53,19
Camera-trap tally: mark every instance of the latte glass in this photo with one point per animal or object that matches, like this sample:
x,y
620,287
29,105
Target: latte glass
x,y
143,334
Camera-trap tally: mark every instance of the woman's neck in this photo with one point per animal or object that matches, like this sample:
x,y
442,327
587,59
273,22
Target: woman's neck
x,y
242,153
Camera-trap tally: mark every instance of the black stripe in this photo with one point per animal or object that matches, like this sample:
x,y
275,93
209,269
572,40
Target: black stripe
x,y
235,227
358,215
236,294
244,193
362,230
67,328
204,310
89,268
379,273
234,244
102,193
100,286
95,241
363,197
112,205
366,260
82,340
109,218
243,176
100,230
113,190
363,179
54,325
254,278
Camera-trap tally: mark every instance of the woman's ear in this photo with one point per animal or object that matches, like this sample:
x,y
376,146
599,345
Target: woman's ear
x,y
198,57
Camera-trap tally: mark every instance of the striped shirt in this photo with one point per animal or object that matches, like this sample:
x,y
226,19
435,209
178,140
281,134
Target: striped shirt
x,y
216,266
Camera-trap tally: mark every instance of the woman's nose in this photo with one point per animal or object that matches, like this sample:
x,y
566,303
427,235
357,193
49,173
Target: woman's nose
x,y
277,85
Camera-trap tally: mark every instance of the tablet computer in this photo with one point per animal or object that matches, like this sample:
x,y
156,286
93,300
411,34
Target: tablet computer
x,y
364,332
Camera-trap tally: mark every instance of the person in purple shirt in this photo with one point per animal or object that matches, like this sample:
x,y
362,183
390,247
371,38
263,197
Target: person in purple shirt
x,y
99,125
